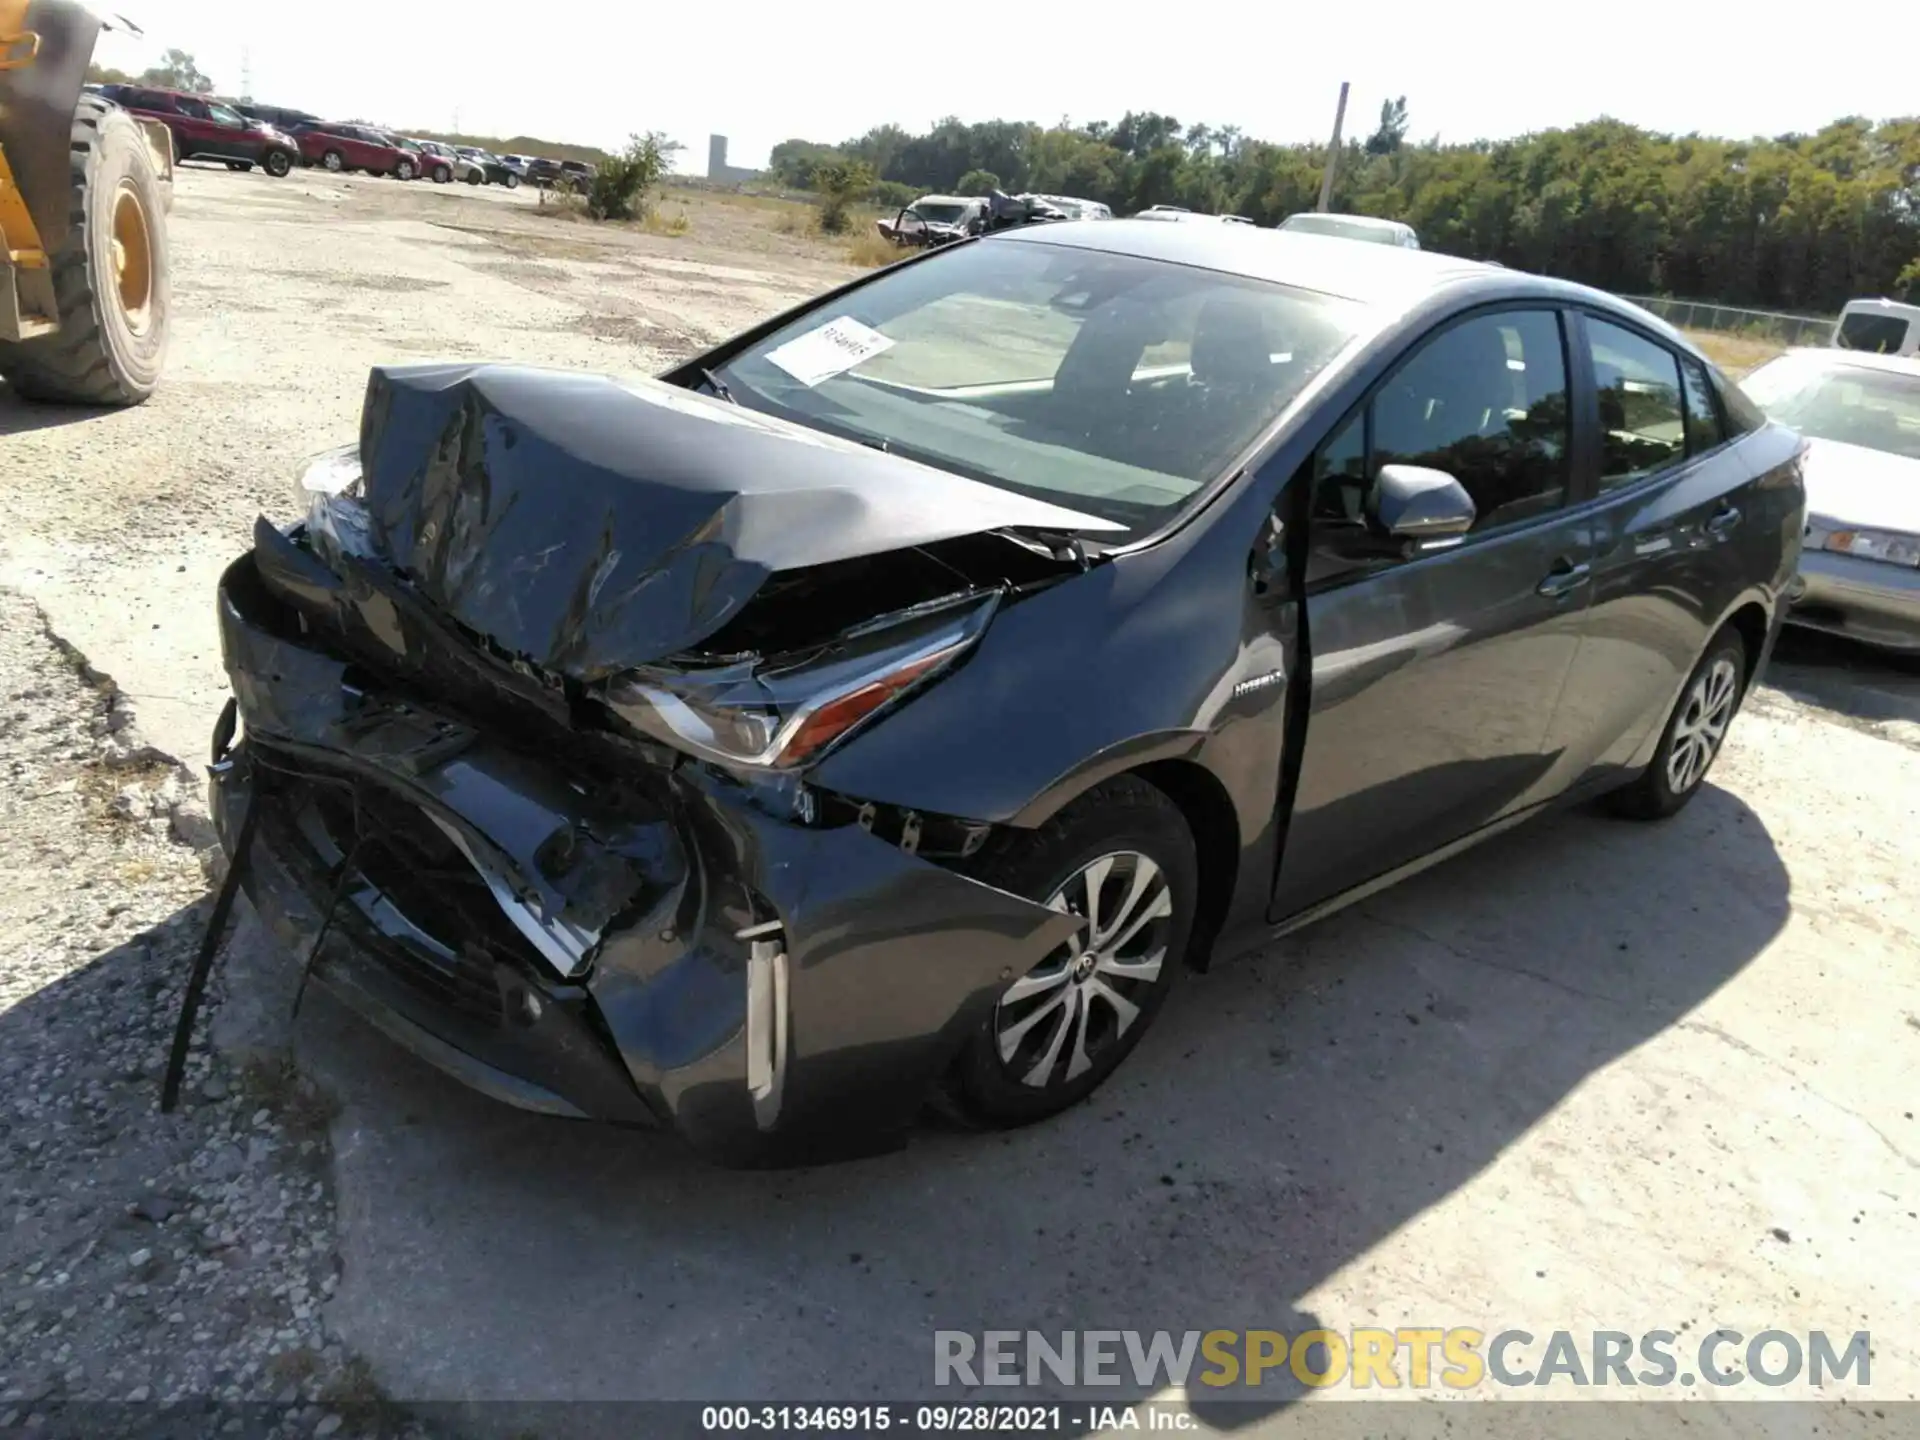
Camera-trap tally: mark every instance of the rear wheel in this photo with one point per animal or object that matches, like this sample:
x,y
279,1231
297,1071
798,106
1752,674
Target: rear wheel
x,y
277,164
333,160
1694,734
109,277
1122,858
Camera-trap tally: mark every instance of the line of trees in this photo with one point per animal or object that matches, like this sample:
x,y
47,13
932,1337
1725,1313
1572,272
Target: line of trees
x,y
176,71
1796,222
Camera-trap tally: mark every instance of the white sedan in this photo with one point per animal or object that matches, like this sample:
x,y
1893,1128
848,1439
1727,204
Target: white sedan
x,y
1860,415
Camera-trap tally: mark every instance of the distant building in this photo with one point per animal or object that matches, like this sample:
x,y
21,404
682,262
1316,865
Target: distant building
x,y
717,166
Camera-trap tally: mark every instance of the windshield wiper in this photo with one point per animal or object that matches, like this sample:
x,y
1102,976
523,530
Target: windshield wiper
x,y
1061,544
718,386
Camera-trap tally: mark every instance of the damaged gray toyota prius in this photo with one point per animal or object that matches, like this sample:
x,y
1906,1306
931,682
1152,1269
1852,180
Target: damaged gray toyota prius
x,y
881,709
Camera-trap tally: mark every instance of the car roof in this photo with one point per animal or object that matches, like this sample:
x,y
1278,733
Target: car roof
x,y
948,200
1384,276
1908,365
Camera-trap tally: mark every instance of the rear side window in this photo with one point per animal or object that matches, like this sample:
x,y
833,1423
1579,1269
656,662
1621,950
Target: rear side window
x,y
1642,423
1877,334
1743,416
1703,415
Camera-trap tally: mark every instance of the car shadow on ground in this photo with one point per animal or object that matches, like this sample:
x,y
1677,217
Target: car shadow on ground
x,y
1854,680
1289,1111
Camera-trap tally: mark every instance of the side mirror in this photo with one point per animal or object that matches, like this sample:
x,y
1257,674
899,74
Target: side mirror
x,y
1412,502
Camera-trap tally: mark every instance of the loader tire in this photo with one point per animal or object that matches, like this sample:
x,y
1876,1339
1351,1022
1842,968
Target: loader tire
x,y
109,278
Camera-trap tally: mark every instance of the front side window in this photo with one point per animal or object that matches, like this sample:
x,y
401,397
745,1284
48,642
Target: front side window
x,y
1110,384
1829,399
1485,401
223,116
1642,423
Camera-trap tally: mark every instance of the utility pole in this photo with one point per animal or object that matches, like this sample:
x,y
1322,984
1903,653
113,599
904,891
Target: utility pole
x,y
1333,152
246,74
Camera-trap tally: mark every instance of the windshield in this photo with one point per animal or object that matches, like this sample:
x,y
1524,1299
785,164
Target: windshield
x,y
1849,403
1345,229
223,116
1110,384
939,214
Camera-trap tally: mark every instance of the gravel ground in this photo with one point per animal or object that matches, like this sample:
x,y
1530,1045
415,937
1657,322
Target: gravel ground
x,y
1667,1075
142,1257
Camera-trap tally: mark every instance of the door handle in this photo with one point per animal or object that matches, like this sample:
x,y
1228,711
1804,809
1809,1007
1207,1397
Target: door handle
x,y
1564,579
1723,520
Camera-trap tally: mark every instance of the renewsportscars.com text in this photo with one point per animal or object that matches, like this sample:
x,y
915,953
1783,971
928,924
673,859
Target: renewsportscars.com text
x,y
1410,1357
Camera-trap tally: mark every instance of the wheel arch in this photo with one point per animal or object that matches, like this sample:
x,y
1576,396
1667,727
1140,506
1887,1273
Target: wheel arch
x,y
1204,804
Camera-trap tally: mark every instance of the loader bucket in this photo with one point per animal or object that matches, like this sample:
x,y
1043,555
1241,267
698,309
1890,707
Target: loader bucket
x,y
45,46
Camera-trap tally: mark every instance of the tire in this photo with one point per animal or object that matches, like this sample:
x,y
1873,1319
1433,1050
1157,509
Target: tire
x,y
1694,734
333,160
403,170
113,319
474,177
513,181
442,174
277,163
1038,1053
241,165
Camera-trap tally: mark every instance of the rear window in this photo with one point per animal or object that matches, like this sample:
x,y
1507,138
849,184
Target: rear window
x,y
1111,384
1877,334
1833,400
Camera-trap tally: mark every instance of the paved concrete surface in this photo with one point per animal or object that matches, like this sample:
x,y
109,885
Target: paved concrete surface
x,y
1593,1075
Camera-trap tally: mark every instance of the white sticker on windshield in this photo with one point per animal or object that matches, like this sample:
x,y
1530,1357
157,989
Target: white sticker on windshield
x,y
833,349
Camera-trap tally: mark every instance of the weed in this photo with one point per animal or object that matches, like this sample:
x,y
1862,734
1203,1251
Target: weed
x,y
657,224
873,250
299,1104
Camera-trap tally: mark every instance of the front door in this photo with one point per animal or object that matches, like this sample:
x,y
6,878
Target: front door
x,y
1435,670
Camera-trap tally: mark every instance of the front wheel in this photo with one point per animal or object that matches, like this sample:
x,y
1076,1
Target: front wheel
x,y
333,160
513,181
1694,734
1121,858
278,163
442,174
474,177
109,278
403,171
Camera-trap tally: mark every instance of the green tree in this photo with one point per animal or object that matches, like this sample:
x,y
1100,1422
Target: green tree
x,y
177,71
840,183
978,182
622,185
1392,131
107,75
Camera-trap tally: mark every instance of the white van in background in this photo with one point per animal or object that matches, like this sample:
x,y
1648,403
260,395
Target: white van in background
x,y
1881,327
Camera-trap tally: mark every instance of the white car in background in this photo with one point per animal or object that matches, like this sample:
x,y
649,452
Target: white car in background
x,y
1860,415
1879,327
442,164
1370,228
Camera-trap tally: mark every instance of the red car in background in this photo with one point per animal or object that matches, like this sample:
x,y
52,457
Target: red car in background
x,y
341,148
205,129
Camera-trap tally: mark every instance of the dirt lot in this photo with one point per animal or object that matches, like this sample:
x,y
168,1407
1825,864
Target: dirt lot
x,y
1591,1076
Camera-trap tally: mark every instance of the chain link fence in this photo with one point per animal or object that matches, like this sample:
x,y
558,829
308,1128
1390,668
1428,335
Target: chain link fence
x,y
1732,320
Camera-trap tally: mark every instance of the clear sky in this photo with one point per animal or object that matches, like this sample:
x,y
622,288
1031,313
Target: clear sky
x,y
760,71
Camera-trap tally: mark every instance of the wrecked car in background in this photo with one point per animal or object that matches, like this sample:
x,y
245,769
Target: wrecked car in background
x,y
883,708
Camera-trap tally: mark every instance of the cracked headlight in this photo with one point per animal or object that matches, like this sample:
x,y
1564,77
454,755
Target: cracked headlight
x,y
779,714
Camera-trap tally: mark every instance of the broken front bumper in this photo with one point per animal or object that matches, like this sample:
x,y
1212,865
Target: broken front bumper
x,y
647,947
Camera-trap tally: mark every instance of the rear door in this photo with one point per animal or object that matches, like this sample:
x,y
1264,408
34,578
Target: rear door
x,y
1674,536
1435,669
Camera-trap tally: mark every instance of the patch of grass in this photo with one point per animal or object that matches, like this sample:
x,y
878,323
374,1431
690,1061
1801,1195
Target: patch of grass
x,y
293,1367
659,224
1735,354
873,250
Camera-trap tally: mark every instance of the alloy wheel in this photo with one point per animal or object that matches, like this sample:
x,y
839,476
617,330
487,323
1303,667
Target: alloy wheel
x,y
1053,1023
1702,725
333,161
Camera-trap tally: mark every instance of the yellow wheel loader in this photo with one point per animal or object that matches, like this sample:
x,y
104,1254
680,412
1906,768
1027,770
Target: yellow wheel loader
x,y
84,193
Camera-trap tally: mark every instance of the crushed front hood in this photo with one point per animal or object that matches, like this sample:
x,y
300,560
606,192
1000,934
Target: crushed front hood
x,y
590,524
